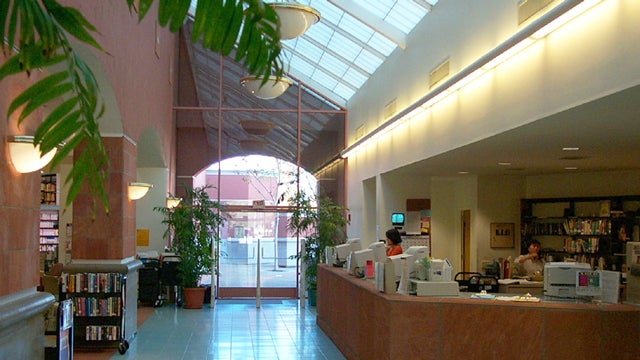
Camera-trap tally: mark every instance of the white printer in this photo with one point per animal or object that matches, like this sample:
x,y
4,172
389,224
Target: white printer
x,y
560,278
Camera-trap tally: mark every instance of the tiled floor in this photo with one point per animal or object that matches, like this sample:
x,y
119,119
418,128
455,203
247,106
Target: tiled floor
x,y
234,329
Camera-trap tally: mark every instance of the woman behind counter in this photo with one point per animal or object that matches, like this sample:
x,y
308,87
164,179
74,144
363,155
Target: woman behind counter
x,y
393,242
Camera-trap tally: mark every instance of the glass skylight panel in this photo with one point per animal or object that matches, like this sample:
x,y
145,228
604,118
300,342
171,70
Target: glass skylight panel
x,y
354,27
324,79
382,44
301,65
345,47
344,91
333,64
368,61
355,78
320,32
309,50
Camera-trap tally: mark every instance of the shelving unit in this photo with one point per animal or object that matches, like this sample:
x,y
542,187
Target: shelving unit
x,y
99,302
588,229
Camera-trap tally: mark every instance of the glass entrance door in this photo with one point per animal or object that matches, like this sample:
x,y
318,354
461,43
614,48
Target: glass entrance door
x,y
255,252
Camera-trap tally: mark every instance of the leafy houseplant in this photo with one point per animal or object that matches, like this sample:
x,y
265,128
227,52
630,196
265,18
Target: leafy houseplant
x,y
37,35
193,226
321,226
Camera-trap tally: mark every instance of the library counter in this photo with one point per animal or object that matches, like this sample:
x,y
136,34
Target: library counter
x,y
367,324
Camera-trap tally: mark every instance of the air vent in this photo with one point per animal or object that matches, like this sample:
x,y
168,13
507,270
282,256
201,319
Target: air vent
x,y
439,73
528,8
389,109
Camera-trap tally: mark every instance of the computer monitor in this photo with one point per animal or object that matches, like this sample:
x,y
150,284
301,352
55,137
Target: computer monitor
x,y
359,260
396,260
355,243
379,251
419,252
342,252
397,220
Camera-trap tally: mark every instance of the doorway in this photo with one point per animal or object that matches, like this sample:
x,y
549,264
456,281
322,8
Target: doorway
x,y
257,257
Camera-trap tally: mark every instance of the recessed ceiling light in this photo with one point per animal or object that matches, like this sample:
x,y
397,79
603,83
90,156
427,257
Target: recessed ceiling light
x,y
571,168
463,172
570,148
504,163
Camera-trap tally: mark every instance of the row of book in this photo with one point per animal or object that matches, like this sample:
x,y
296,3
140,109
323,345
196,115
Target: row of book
x,y
91,306
92,282
570,226
102,333
574,226
577,246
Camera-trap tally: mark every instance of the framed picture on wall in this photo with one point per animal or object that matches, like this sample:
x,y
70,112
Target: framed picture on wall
x,y
503,235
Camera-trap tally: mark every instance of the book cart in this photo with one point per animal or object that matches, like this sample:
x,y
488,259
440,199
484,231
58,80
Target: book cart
x,y
99,308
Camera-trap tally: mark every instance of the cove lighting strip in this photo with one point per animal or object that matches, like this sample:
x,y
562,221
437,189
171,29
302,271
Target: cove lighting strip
x,y
536,30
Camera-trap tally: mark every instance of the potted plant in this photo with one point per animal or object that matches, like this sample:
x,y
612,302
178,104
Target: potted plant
x,y
193,227
321,225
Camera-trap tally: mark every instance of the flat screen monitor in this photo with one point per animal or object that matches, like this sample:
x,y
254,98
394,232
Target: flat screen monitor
x,y
360,258
397,219
342,252
379,251
355,243
396,260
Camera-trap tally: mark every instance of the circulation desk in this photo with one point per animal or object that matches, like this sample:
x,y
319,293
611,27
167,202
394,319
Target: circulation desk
x,y
367,324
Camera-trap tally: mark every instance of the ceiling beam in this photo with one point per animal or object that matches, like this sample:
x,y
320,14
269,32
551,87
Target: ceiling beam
x,y
425,4
375,23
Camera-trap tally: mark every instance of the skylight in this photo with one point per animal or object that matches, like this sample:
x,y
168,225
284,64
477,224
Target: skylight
x,y
353,38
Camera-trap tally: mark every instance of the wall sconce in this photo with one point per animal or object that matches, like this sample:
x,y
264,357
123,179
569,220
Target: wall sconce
x,y
138,189
270,90
25,156
173,201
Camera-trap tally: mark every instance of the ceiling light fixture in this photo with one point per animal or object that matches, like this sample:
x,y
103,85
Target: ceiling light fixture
x,y
256,127
271,89
137,190
570,148
295,19
25,156
542,26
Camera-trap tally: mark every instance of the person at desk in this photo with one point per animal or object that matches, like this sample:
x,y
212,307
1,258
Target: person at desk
x,y
531,262
393,242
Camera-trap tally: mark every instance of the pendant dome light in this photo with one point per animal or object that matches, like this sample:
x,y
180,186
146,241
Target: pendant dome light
x,y
273,88
295,18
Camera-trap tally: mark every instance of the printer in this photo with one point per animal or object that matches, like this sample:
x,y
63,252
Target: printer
x,y
560,278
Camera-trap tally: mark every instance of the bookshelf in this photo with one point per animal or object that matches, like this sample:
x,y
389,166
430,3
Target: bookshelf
x,y
99,303
594,230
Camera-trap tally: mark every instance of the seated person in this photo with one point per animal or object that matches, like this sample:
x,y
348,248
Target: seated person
x,y
530,264
393,242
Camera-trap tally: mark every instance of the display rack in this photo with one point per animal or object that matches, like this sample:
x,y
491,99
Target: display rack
x,y
585,229
99,301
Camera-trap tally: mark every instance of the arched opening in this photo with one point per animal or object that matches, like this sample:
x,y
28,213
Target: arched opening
x,y
256,250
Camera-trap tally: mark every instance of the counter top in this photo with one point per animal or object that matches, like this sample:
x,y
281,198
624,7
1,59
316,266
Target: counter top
x,y
352,312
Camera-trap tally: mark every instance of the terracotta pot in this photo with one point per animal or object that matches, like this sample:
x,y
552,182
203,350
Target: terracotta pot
x,y
193,297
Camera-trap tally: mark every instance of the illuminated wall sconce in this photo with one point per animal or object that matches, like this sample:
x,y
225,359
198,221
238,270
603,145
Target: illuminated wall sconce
x,y
137,190
173,201
26,157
